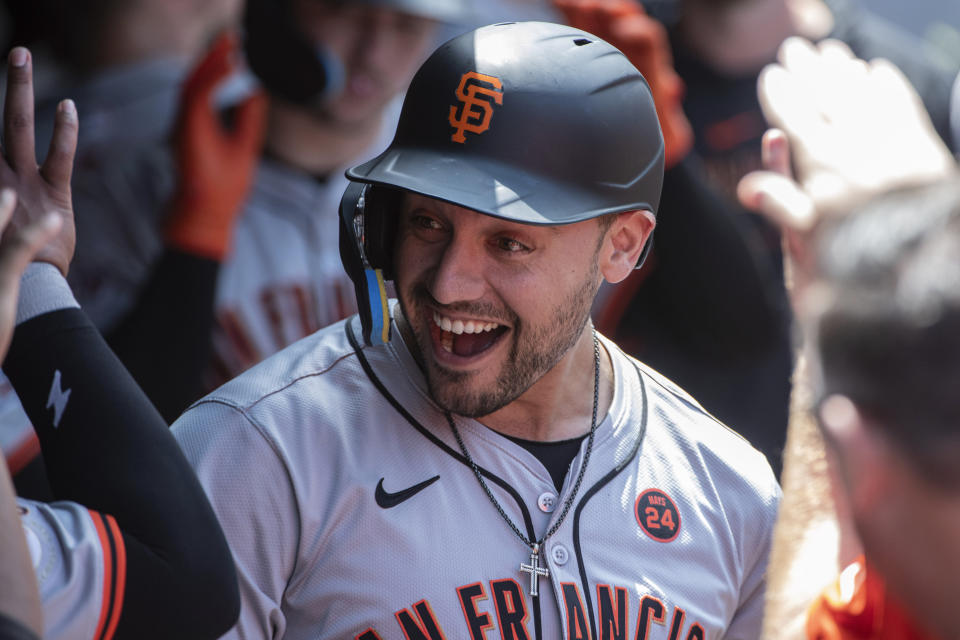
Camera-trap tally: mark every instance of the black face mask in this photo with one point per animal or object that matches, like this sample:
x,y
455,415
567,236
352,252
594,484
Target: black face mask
x,y
288,64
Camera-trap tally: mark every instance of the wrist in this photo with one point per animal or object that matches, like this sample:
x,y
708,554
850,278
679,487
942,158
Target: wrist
x,y
43,289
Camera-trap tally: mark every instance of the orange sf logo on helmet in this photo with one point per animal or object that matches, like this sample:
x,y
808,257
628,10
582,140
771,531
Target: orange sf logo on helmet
x,y
470,118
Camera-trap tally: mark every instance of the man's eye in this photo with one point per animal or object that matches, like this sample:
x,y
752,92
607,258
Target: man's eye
x,y
425,222
510,245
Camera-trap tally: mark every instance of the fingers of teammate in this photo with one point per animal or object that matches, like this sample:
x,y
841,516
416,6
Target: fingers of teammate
x,y
786,104
214,68
929,157
775,152
215,162
250,124
777,198
18,112
773,192
58,165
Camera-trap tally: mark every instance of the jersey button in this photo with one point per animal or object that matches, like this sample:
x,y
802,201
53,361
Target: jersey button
x,y
560,554
547,502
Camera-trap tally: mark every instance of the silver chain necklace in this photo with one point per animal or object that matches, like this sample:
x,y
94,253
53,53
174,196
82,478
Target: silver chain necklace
x,y
534,569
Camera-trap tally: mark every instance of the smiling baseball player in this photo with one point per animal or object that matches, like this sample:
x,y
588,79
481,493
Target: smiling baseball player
x,y
474,460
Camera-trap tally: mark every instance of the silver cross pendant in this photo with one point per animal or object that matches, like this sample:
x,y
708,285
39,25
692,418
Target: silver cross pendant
x,y
535,570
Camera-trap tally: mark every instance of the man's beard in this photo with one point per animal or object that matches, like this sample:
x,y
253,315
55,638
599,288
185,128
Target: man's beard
x,y
534,352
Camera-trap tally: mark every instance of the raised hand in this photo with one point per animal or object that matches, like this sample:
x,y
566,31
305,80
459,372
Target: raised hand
x,y
855,129
215,163
45,189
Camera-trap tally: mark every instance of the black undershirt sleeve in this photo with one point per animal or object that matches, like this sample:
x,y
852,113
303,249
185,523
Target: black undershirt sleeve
x,y
106,447
165,340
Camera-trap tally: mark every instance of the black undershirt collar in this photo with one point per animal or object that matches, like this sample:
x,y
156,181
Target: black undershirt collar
x,y
555,456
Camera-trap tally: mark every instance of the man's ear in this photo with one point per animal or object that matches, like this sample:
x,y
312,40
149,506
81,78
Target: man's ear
x,y
864,455
624,242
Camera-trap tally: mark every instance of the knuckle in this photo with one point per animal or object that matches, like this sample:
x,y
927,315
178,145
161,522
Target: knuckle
x,y
19,120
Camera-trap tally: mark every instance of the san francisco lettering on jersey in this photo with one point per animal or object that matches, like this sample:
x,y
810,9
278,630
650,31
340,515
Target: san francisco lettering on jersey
x,y
499,606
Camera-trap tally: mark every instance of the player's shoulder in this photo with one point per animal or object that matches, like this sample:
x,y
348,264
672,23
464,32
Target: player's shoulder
x,y
677,423
323,360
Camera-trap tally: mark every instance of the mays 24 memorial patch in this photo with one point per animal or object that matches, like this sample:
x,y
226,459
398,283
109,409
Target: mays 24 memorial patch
x,y
657,515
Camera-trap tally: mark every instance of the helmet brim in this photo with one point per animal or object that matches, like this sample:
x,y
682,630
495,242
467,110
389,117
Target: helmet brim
x,y
490,187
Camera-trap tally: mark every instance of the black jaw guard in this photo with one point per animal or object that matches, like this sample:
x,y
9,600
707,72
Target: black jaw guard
x,y
368,281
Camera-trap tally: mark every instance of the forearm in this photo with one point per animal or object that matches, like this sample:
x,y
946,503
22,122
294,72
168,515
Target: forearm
x,y
106,447
19,599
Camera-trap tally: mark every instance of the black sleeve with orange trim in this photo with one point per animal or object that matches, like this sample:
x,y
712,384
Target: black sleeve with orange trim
x,y
114,575
106,447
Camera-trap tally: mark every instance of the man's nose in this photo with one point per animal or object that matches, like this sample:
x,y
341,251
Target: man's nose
x,y
459,275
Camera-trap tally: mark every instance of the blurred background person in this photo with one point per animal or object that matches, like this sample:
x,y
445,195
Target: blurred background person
x,y
333,72
124,63
874,287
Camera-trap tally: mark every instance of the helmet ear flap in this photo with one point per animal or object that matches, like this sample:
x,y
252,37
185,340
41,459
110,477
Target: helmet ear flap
x,y
368,280
646,251
381,215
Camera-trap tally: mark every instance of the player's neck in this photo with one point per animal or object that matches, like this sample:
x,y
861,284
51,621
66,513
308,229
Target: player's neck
x,y
559,406
312,145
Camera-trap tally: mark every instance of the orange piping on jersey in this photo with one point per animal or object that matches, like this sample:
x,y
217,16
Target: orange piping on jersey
x,y
23,454
107,572
121,577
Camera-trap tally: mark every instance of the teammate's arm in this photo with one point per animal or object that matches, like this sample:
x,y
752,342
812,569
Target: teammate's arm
x,y
105,445
20,611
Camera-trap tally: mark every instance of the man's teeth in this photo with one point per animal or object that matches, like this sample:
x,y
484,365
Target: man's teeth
x,y
459,326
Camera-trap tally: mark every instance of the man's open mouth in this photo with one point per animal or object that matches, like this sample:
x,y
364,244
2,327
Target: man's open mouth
x,y
466,338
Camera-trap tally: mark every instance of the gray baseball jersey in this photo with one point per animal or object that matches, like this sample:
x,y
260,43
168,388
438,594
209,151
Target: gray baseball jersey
x,y
352,514
79,559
